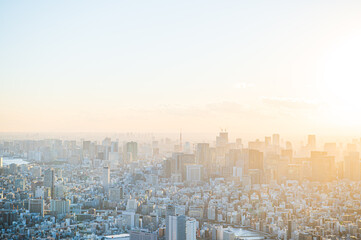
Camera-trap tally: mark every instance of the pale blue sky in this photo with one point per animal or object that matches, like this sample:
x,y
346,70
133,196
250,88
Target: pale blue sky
x,y
164,65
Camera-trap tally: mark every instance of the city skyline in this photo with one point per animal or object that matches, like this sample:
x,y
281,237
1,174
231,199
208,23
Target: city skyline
x,y
180,120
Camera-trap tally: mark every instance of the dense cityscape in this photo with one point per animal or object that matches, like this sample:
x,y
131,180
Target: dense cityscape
x,y
174,189
180,120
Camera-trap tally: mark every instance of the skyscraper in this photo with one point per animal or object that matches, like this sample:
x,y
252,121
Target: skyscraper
x,y
60,206
176,228
352,166
49,180
106,177
202,154
36,206
323,167
131,151
191,229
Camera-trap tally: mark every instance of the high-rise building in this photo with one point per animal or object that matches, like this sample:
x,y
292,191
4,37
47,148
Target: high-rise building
x,y
60,206
86,146
323,167
106,177
255,159
202,154
131,151
36,206
49,181
222,139
1,162
191,229
176,228
352,166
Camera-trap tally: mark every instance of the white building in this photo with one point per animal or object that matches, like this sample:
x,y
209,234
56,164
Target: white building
x,y
191,229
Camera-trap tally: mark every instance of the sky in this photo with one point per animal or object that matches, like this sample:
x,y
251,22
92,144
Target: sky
x,y
250,67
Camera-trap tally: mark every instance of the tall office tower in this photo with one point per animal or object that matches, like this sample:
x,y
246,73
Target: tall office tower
x,y
86,146
1,162
221,148
276,139
352,166
222,139
255,159
323,167
114,147
36,206
191,229
176,163
60,206
202,154
49,180
176,228
311,143
167,167
106,177
131,149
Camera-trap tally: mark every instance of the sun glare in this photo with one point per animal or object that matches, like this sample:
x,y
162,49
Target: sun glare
x,y
342,81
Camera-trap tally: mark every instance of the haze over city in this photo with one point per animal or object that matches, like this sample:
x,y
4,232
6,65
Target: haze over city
x,y
180,120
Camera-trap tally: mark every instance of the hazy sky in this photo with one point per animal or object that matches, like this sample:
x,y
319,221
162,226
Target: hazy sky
x,y
158,66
